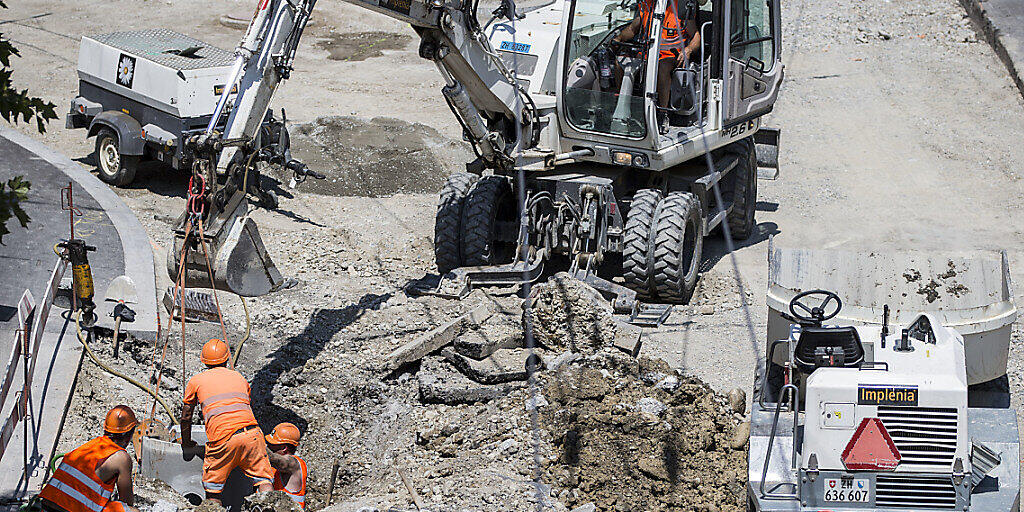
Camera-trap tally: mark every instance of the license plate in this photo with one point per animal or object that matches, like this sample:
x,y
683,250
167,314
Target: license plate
x,y
847,490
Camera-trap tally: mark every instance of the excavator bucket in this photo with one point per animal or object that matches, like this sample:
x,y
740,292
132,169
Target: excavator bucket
x,y
237,259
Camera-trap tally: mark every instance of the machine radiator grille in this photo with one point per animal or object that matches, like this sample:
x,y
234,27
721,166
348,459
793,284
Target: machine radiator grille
x,y
925,436
911,492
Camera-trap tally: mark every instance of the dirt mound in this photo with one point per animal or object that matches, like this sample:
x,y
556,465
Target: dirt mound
x,y
567,313
631,435
376,157
271,501
359,46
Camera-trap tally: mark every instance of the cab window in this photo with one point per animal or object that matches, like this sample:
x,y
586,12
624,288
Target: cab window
x,y
750,31
598,97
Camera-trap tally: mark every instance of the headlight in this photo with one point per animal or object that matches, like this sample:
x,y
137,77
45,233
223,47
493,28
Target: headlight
x,y
622,158
635,160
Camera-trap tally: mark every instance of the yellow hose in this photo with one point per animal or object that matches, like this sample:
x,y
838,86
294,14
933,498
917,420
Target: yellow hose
x,y
248,330
81,338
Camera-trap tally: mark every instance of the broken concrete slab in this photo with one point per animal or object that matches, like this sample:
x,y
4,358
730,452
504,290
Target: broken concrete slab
x,y
446,386
504,365
482,342
628,339
437,338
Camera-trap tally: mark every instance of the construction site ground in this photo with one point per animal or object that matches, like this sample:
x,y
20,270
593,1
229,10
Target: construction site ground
x,y
900,132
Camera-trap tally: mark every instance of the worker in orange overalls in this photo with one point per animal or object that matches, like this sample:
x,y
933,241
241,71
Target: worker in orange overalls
x,y
87,477
289,470
677,44
233,437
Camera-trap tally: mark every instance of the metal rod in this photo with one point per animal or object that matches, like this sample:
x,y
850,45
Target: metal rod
x,y
334,478
412,490
794,394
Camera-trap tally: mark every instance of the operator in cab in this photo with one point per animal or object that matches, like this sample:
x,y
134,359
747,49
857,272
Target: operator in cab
x,y
679,40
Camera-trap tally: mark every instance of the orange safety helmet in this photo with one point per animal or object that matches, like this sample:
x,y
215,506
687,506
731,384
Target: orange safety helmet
x,y
215,352
284,433
119,420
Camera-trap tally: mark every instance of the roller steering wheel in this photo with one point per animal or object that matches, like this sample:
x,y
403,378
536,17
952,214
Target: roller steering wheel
x,y
817,313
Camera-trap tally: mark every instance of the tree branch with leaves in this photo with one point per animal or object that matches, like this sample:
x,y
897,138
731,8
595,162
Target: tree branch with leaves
x,y
17,106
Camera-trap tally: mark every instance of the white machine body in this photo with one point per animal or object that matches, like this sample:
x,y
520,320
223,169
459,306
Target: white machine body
x,y
141,66
919,395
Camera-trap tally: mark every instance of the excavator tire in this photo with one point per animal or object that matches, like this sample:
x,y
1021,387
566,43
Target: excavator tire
x,y
678,243
744,191
490,198
637,266
448,221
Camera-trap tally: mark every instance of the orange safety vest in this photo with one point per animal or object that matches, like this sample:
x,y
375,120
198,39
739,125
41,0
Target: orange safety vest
x,y
223,395
76,488
297,497
673,33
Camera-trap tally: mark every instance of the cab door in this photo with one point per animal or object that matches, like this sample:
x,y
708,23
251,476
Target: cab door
x,y
752,59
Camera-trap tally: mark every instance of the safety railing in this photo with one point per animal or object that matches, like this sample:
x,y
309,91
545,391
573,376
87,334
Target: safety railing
x,y
29,335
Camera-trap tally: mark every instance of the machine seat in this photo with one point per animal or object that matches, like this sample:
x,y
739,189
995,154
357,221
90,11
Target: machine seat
x,y
837,347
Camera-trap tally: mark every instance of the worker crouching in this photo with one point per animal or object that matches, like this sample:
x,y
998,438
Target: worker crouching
x,y
86,479
233,437
289,470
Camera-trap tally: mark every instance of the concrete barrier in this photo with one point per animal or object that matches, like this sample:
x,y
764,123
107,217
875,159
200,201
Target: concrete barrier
x,y
182,471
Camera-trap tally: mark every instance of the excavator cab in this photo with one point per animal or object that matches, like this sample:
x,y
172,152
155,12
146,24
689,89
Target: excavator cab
x,y
609,87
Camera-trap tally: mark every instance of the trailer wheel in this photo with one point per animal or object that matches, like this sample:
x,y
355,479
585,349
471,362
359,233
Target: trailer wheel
x,y
637,264
678,243
114,168
487,203
448,221
744,191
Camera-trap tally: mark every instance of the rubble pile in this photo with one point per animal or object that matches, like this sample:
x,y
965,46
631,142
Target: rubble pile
x,y
633,435
566,313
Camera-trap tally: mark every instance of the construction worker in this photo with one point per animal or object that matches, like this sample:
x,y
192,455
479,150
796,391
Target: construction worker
x,y
678,41
233,437
289,470
87,477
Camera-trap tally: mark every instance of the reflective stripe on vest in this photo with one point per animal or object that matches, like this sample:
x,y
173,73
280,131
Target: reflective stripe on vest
x,y
73,493
78,475
672,32
209,410
74,486
217,411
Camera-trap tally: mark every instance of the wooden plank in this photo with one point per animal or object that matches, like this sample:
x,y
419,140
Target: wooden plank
x,y
437,338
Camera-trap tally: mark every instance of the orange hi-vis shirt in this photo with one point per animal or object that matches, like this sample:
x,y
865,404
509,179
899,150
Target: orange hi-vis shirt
x,y
673,33
279,484
223,395
75,487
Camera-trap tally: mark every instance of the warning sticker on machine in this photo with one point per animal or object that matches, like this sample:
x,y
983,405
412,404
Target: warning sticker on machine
x,y
878,394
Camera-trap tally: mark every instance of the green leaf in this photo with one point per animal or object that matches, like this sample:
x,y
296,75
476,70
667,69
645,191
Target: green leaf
x,y
11,194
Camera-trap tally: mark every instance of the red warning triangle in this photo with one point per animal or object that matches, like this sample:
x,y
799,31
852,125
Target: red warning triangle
x,y
871,448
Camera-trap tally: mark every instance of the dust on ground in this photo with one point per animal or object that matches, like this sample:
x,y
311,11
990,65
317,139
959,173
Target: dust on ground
x,y
360,46
377,157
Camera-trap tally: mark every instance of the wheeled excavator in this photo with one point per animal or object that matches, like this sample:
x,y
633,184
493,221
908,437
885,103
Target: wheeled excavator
x,y
562,116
